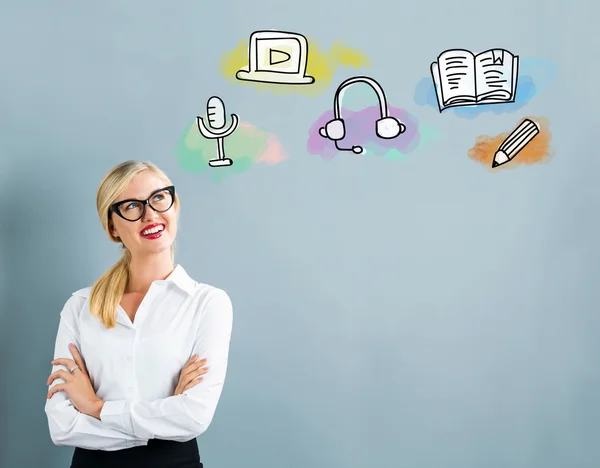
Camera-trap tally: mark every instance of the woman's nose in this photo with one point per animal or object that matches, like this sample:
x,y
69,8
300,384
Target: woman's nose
x,y
150,214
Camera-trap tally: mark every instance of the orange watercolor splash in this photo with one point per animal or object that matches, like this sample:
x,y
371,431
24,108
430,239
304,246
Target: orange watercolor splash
x,y
537,151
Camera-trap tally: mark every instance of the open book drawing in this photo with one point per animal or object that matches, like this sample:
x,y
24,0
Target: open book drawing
x,y
464,79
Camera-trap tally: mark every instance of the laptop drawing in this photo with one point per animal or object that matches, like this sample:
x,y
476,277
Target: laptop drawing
x,y
276,57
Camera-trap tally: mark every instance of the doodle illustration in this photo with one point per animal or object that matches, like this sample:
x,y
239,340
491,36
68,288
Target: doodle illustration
x,y
278,65
252,146
386,126
515,142
535,75
215,113
277,57
528,143
462,78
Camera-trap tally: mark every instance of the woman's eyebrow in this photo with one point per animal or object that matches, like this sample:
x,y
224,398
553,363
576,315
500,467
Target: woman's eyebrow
x,y
142,198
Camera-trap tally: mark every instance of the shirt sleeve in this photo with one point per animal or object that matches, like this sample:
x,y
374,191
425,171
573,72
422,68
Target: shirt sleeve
x,y
187,415
67,425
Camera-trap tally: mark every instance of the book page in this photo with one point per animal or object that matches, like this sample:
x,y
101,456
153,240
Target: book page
x,y
495,75
457,76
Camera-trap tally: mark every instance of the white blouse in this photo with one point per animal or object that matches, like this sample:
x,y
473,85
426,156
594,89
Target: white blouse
x,y
135,367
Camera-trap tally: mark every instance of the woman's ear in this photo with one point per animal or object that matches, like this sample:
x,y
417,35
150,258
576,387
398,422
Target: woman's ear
x,y
112,230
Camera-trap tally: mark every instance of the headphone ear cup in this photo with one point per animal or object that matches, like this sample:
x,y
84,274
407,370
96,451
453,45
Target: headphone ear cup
x,y
389,127
335,129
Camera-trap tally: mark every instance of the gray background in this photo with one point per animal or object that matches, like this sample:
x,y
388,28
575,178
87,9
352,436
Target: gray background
x,y
424,313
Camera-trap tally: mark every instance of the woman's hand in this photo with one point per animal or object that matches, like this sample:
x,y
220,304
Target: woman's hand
x,y
77,384
190,373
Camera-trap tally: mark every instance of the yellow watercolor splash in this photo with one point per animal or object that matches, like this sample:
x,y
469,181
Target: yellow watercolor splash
x,y
320,64
538,151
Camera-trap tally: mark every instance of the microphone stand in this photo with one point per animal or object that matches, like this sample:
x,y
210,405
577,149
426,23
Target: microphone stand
x,y
212,134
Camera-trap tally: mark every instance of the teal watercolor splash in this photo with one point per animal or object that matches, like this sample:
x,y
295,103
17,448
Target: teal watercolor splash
x,y
430,134
535,74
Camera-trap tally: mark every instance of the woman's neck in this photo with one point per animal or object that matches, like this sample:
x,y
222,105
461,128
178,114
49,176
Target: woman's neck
x,y
143,271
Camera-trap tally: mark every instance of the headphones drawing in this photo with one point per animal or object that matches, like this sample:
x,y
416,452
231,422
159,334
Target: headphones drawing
x,y
387,127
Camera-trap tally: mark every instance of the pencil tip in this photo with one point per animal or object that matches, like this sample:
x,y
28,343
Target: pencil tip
x,y
495,163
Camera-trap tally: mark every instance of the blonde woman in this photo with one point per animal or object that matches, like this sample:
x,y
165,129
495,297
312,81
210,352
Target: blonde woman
x,y
141,356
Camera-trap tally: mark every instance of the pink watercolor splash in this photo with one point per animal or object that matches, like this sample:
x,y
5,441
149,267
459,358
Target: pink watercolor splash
x,y
360,130
274,153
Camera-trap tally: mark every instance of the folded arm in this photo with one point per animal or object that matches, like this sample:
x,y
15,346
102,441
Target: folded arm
x,y
185,416
67,425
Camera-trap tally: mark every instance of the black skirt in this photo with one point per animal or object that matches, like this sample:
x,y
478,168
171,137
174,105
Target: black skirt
x,y
157,454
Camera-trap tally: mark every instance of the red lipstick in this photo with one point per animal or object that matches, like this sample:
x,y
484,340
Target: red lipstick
x,y
154,235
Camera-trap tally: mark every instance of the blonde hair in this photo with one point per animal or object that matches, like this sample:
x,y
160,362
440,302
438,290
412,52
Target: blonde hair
x,y
108,290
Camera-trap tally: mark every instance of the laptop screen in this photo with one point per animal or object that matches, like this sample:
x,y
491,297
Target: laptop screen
x,y
281,55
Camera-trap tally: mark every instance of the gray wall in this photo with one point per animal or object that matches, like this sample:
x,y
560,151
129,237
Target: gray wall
x,y
425,313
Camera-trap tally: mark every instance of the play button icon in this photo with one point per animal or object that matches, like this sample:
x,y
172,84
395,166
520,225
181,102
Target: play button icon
x,y
278,56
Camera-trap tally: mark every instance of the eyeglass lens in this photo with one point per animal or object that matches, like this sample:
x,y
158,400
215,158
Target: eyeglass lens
x,y
160,201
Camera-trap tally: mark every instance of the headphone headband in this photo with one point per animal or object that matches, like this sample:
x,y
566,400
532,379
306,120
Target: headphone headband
x,y
360,79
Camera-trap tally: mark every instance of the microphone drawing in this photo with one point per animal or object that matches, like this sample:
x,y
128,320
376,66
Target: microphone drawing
x,y
215,112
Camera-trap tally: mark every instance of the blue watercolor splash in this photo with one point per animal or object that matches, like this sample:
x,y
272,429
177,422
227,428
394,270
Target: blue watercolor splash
x,y
535,74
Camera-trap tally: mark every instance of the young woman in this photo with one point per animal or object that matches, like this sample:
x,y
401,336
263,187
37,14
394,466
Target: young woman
x,y
141,356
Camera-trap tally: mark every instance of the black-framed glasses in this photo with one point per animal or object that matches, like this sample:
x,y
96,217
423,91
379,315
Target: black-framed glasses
x,y
160,200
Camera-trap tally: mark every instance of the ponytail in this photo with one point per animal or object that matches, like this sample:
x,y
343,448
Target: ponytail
x,y
108,290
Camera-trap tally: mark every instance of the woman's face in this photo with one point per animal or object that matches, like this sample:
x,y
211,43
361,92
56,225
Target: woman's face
x,y
154,232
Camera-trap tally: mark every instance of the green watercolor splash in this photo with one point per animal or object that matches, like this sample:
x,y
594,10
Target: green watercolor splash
x,y
245,147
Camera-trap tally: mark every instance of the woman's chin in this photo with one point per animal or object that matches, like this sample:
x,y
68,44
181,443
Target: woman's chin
x,y
157,245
